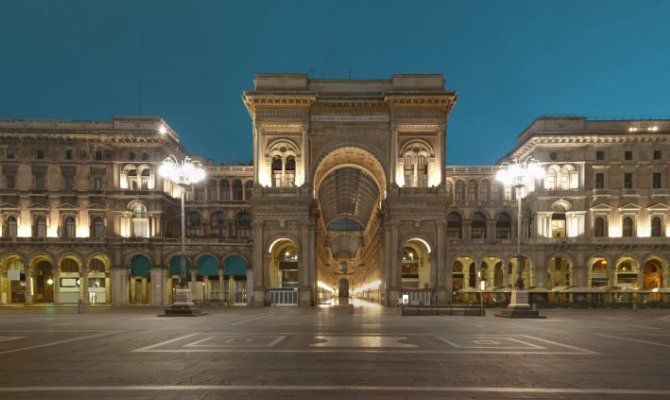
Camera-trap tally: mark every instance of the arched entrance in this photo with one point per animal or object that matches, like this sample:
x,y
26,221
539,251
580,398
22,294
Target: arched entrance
x,y
98,280
235,279
13,289
69,284
349,186
464,278
42,274
140,276
559,278
627,279
415,262
207,279
652,277
284,264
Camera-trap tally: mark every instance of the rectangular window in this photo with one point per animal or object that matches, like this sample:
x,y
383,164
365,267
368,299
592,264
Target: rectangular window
x,y
68,154
656,180
600,180
600,155
199,194
68,181
10,153
628,180
657,154
10,183
39,155
628,155
39,181
98,182
97,155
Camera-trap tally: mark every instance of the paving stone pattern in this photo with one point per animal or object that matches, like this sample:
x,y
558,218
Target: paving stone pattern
x,y
324,353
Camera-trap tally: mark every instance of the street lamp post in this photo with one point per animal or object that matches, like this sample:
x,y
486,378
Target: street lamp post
x,y
183,174
521,175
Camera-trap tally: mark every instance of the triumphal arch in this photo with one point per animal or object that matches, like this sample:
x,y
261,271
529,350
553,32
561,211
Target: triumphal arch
x,y
350,194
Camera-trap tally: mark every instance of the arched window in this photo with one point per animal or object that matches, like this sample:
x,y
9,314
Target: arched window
x,y
460,192
656,227
199,192
11,227
485,192
96,265
131,177
40,229
277,169
70,227
503,225
225,190
551,177
454,225
627,227
218,224
599,229
140,211
472,276
140,221
472,191
290,171
145,179
243,225
478,226
193,223
248,189
212,194
97,228
237,190
498,191
69,265
569,178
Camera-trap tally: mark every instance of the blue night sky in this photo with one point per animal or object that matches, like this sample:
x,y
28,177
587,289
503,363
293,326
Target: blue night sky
x,y
510,61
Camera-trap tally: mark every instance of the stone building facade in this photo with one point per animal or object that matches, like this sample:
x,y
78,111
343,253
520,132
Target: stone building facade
x,y
348,196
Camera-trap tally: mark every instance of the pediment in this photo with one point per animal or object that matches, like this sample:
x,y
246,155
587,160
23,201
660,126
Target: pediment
x,y
68,206
601,207
630,207
39,205
658,207
97,206
8,205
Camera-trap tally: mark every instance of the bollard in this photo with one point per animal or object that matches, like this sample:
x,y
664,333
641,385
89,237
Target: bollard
x,y
80,307
634,306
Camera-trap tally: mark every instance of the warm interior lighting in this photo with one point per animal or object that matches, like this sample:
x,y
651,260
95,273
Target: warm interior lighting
x,y
374,285
325,287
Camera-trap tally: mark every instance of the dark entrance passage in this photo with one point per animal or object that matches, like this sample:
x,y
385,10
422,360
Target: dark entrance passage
x,y
343,288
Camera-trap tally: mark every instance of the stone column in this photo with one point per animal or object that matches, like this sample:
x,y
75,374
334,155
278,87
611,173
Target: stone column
x,y
540,274
250,286
29,286
156,286
84,285
56,285
305,282
395,277
193,283
123,276
222,293
262,272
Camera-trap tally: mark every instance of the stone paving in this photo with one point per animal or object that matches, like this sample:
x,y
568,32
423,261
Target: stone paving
x,y
331,353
